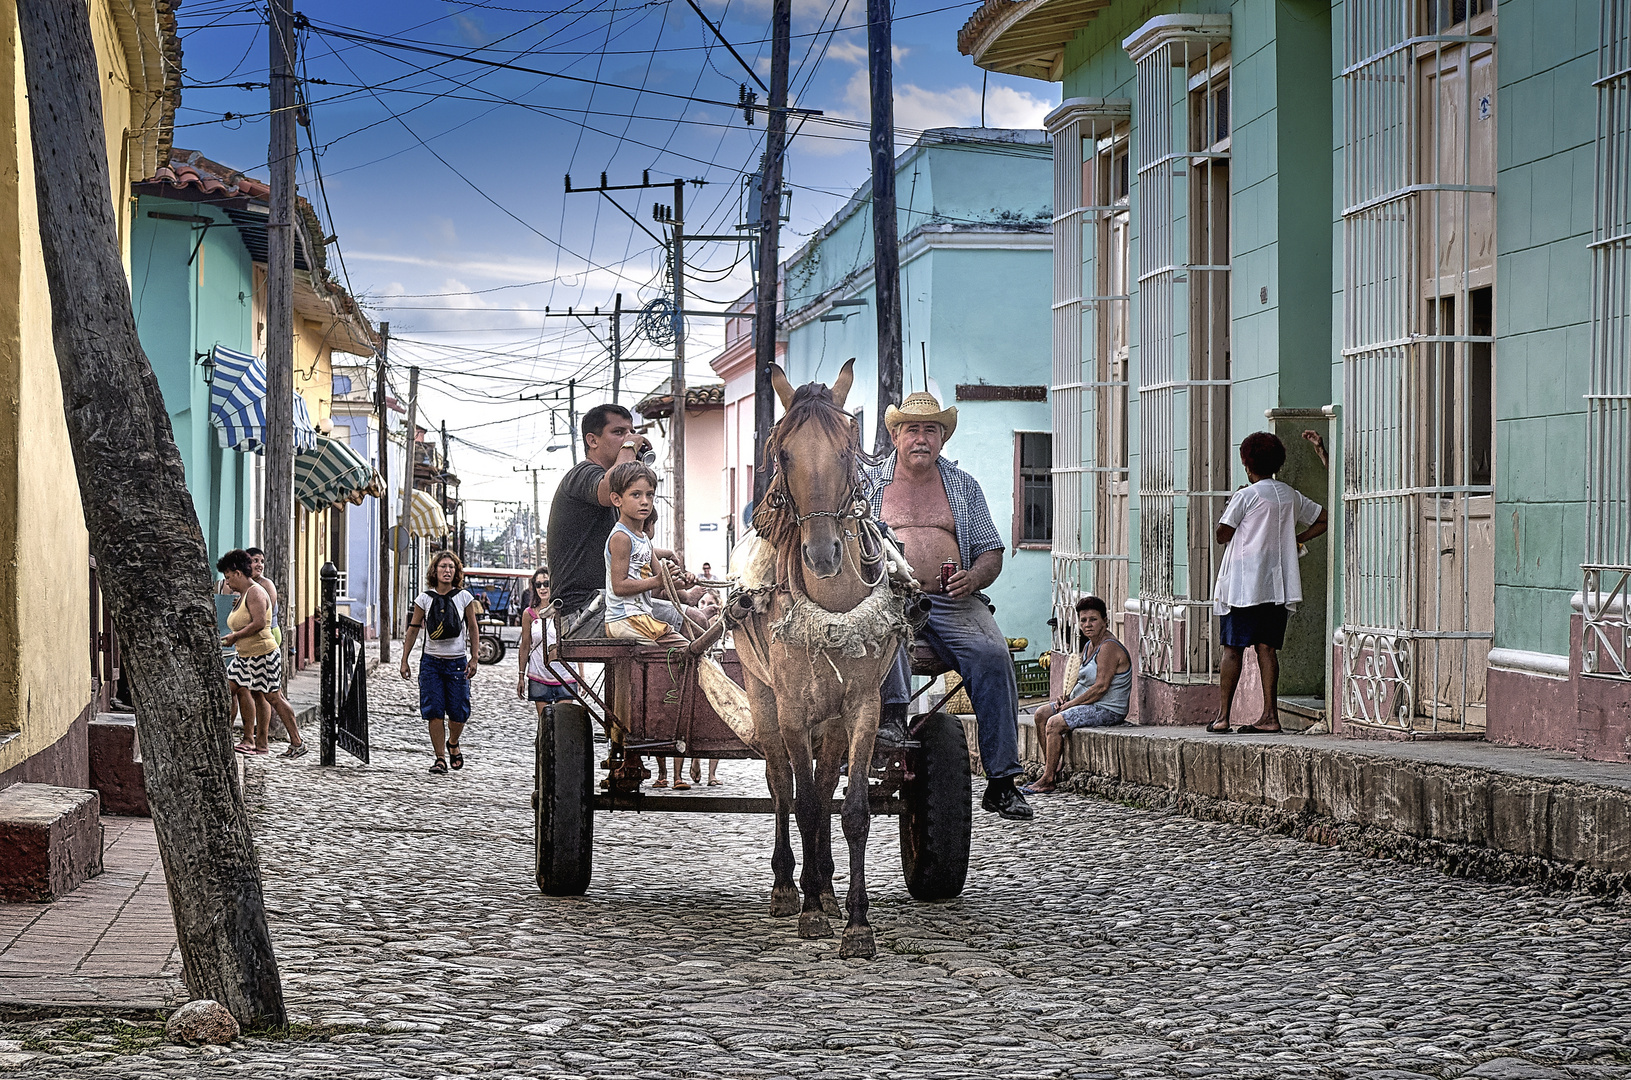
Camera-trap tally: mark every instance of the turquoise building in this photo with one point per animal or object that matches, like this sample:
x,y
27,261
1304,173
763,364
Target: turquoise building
x,y
1389,225
193,284
975,211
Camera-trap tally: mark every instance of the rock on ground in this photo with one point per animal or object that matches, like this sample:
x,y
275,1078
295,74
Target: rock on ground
x,y
202,1022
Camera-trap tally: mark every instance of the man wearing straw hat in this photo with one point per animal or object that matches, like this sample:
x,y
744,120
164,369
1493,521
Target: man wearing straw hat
x,y
941,516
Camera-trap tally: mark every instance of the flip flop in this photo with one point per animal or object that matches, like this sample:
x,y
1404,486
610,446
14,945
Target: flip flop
x,y
1213,729
1253,729
659,783
1030,789
680,785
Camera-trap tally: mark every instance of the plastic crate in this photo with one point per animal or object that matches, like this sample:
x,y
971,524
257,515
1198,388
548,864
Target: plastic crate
x,y
1033,678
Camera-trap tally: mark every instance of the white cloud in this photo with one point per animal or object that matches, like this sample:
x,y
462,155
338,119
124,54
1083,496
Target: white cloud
x,y
958,106
851,49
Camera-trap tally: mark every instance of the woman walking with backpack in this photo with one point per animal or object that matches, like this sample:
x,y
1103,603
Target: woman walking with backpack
x,y
446,611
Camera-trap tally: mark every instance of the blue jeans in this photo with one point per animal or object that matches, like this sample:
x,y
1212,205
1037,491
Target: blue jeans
x,y
443,689
964,636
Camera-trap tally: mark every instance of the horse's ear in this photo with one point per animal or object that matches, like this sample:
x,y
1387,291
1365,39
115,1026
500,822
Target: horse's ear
x,y
784,389
840,388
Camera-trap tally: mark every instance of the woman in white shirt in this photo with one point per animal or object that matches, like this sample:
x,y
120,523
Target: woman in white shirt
x,y
1259,585
446,612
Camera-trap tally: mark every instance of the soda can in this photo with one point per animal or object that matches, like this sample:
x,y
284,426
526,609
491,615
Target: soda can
x,y
947,569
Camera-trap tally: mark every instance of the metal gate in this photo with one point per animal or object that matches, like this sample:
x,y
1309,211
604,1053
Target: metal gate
x,y
345,677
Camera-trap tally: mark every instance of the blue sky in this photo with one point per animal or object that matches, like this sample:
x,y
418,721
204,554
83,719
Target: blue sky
x,y
444,178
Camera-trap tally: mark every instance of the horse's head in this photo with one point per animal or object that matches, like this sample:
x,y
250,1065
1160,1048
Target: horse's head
x,y
813,451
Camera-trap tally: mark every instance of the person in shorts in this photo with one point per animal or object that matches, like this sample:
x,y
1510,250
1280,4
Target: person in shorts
x,y
446,612
543,682
1101,697
1262,531
257,662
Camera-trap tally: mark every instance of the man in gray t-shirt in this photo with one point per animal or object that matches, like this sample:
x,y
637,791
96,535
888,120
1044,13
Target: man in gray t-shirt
x,y
581,516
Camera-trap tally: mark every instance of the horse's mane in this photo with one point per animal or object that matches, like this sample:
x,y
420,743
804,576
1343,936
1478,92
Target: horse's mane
x,y
774,518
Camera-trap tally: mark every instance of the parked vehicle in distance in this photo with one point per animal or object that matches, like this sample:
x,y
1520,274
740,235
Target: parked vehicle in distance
x,y
499,589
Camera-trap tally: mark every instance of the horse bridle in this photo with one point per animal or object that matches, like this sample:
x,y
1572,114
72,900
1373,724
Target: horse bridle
x,y
854,501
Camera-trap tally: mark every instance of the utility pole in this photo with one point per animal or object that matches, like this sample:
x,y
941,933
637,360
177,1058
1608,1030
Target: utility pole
x,y
278,507
617,351
381,410
677,426
407,481
572,417
885,239
770,226
537,525
445,538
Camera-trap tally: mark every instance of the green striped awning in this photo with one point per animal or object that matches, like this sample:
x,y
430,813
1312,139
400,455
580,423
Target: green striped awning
x,y
332,473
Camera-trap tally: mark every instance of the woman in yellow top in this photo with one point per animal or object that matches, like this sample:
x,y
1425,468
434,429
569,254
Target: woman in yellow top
x,y
257,668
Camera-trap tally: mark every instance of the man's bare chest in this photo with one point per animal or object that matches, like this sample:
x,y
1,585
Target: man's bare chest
x,y
918,506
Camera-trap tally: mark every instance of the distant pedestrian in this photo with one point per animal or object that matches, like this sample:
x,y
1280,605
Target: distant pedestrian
x,y
1101,697
543,682
447,612
1259,584
257,663
276,702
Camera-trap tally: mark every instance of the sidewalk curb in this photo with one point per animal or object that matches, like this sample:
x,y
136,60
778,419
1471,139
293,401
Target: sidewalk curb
x,y
1462,818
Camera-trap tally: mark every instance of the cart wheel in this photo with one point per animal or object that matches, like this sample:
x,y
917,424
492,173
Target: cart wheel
x,y
939,814
489,649
564,796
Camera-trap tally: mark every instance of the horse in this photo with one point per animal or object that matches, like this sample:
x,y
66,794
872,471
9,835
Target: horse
x,y
814,651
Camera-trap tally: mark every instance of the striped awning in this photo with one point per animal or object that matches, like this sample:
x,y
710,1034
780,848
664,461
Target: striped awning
x,y
425,517
331,473
238,404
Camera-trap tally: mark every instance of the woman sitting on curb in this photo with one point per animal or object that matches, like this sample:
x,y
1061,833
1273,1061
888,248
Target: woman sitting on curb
x,y
1101,697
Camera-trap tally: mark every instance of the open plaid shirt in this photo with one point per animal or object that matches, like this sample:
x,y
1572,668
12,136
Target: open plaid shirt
x,y
975,532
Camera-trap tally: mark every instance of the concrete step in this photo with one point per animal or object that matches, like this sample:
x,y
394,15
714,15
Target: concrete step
x,y
50,841
1499,812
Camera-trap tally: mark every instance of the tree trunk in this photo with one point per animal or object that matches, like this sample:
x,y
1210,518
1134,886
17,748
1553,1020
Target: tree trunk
x,y
144,532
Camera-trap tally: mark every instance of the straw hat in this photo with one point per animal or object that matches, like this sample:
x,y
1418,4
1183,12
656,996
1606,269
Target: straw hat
x,y
921,406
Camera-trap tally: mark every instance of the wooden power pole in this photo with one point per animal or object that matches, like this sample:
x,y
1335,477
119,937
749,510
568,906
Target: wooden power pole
x,y
278,508
677,424
617,354
885,238
770,226
402,537
382,410
143,528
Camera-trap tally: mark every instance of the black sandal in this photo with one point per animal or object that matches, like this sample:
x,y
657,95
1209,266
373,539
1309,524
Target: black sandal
x,y
440,768
1213,729
455,758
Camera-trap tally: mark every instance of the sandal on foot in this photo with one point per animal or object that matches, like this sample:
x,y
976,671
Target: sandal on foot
x,y
1258,729
659,783
715,782
454,757
680,785
1032,789
1213,729
440,768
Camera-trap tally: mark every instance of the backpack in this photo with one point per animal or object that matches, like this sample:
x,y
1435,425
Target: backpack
x,y
442,622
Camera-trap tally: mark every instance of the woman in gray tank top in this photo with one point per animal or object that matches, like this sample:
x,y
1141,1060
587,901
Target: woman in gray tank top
x,y
1100,698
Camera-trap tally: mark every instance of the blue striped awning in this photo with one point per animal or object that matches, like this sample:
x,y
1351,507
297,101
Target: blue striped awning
x,y
238,404
332,473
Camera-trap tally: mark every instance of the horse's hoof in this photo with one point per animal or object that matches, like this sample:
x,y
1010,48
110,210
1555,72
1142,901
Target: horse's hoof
x,y
814,924
784,901
829,904
857,943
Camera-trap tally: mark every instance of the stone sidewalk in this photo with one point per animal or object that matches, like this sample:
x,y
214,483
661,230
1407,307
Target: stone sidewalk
x,y
1499,812
108,946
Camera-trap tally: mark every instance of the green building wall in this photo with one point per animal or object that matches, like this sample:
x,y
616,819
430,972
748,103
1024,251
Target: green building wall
x,y
183,310
1546,109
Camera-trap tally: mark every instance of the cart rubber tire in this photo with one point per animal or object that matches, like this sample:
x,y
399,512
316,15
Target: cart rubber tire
x,y
938,818
489,649
564,797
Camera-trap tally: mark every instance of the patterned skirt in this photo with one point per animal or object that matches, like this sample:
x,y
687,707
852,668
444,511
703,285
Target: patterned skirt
x,y
261,674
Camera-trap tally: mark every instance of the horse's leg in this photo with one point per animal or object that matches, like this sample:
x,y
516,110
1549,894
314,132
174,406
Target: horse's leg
x,y
828,757
784,895
810,807
857,824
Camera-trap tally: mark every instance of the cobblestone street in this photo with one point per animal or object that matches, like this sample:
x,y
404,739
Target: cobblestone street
x,y
1097,941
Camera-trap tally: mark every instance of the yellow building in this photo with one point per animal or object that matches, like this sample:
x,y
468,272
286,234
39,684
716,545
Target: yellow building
x,y
49,664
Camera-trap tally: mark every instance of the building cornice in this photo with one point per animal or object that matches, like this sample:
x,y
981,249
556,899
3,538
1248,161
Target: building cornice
x,y
1074,109
1165,29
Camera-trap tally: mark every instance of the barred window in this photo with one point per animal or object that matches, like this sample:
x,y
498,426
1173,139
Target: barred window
x,y
1033,488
